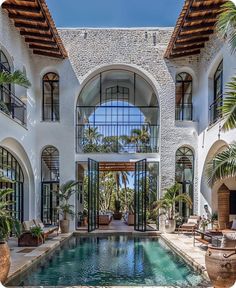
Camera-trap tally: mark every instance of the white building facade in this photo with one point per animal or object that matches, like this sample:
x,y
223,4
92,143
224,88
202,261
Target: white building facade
x,y
183,127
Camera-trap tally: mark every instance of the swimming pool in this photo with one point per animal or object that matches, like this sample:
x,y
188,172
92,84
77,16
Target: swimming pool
x,y
111,260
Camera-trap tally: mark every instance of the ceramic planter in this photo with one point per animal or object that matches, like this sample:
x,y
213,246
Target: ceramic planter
x,y
170,226
221,266
64,225
4,261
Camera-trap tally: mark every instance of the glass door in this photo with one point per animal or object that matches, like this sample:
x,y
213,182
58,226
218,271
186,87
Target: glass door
x,y
140,199
50,202
93,194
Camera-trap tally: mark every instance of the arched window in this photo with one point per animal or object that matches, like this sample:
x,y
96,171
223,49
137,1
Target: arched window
x,y
183,97
51,101
50,185
11,169
184,175
215,112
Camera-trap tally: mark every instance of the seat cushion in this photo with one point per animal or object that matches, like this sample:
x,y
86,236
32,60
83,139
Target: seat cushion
x,y
233,227
228,240
27,225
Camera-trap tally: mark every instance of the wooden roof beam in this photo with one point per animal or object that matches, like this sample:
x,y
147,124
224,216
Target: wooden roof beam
x,y
210,16
202,26
191,47
40,41
32,26
195,34
50,54
177,55
205,8
21,8
47,48
26,18
35,34
191,41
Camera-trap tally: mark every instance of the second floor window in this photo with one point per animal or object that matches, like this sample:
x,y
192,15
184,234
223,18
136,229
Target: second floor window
x,y
215,112
51,103
183,97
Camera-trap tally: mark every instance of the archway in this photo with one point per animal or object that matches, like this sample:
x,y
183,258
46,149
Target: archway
x,y
117,111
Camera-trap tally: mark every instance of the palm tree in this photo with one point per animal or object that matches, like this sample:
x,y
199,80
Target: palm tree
x,y
121,177
91,139
223,165
168,201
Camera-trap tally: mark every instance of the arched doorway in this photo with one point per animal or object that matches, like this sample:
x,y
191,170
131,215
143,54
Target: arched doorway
x,y
11,169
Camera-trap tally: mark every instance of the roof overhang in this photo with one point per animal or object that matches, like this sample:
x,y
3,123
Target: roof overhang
x,y
194,26
33,19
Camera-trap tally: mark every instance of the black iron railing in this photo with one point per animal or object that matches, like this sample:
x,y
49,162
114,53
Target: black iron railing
x,y
4,68
117,138
184,112
12,106
215,112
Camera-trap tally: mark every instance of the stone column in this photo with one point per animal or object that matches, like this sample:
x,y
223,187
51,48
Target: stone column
x,y
223,206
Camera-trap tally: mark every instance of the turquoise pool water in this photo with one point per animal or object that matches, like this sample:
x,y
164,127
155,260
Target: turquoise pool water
x,y
111,260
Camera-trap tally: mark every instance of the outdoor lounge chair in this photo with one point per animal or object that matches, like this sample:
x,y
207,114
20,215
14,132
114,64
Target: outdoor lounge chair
x,y
27,225
191,225
46,230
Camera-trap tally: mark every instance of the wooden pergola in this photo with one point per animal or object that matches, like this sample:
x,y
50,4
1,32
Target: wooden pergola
x,y
194,26
116,166
34,22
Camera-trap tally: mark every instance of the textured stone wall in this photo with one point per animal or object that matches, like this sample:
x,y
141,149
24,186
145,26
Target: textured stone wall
x,y
144,50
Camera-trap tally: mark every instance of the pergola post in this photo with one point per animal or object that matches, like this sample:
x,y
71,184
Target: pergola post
x,y
223,206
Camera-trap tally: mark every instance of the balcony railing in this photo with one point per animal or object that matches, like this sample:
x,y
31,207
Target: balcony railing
x,y
12,106
117,138
215,112
184,112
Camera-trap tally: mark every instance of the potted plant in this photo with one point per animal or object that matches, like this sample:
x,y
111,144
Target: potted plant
x,y
117,214
166,205
214,221
65,208
8,224
37,234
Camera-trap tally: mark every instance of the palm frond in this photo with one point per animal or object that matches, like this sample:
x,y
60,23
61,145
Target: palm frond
x,y
226,23
229,106
222,166
16,77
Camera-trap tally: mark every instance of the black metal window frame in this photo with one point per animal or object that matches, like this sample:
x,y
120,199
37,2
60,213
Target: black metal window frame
x,y
184,154
49,214
49,109
215,112
11,169
9,103
184,111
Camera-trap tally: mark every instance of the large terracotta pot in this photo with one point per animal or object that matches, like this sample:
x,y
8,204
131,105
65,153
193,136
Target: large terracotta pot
x,y
64,225
170,226
221,266
4,261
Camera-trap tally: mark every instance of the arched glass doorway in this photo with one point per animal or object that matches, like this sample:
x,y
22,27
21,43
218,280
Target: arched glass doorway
x,y
184,174
50,175
117,111
11,169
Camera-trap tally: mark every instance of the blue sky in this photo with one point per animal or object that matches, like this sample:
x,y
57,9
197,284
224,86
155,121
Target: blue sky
x,y
115,13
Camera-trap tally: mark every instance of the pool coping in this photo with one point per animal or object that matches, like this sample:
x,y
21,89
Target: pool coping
x,y
189,260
